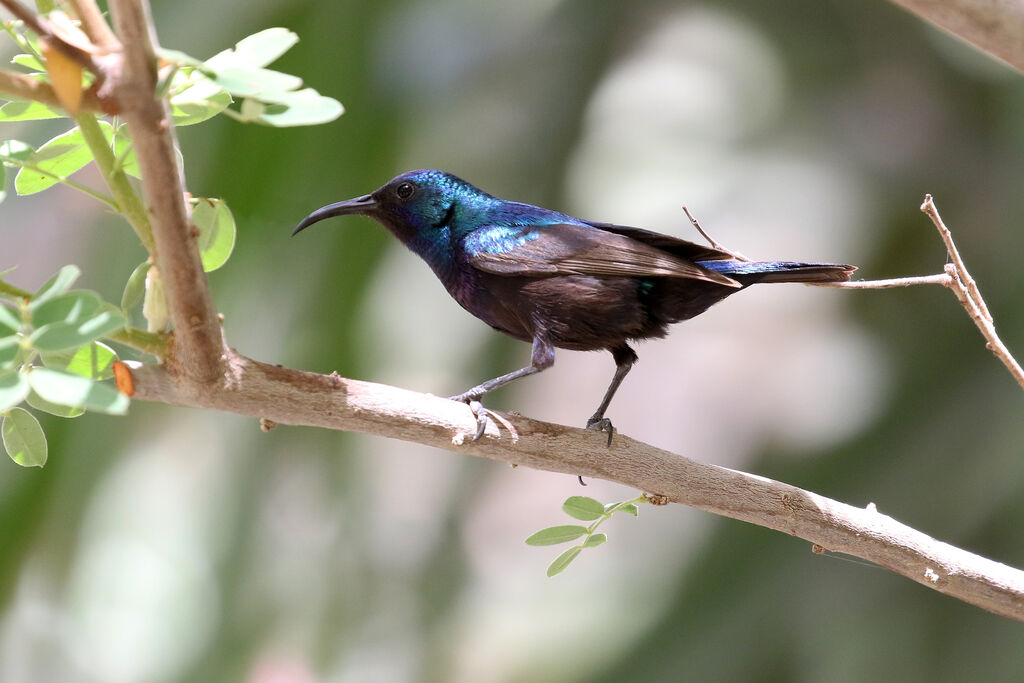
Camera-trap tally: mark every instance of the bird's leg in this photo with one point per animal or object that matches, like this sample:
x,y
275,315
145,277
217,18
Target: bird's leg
x,y
542,358
624,359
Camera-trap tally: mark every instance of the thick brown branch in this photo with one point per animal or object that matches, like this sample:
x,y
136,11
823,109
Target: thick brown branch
x,y
198,345
300,398
993,26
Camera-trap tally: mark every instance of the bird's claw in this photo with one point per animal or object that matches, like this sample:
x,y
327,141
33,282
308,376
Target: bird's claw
x,y
481,414
602,424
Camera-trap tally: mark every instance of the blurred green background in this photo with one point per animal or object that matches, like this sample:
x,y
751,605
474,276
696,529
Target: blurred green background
x,y
178,545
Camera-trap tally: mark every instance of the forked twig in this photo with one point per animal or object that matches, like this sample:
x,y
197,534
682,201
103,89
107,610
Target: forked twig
x,y
955,277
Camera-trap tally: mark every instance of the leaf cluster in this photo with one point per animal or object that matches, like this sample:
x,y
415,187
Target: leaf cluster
x,y
585,509
54,354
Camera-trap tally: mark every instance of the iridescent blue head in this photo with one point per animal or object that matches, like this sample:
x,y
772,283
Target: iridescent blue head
x,y
419,207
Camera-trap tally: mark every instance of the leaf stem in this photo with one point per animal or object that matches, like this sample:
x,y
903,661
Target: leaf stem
x,y
9,291
148,342
131,206
610,511
109,201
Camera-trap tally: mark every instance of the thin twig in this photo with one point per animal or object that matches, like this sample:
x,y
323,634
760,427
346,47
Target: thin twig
x,y
928,207
94,25
969,296
18,86
131,206
938,279
735,254
46,30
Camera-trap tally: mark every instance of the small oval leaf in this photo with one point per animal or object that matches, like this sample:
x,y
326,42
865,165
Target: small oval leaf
x,y
135,287
61,336
78,392
10,349
631,508
28,111
68,308
40,403
216,231
9,321
563,560
93,361
13,389
24,438
55,286
595,540
259,49
557,534
584,508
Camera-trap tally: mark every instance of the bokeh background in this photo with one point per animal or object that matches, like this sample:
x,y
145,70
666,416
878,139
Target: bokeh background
x,y
179,545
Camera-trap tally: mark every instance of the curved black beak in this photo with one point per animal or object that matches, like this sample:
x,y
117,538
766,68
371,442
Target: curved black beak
x,y
364,205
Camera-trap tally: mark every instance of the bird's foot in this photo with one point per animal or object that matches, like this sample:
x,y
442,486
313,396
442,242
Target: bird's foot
x,y
602,424
481,414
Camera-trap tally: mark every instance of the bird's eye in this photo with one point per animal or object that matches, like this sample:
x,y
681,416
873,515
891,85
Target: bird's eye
x,y
405,190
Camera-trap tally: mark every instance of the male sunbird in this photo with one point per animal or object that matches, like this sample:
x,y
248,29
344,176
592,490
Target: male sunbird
x,y
545,277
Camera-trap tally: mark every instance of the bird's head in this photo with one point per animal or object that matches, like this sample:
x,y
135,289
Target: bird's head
x,y
417,206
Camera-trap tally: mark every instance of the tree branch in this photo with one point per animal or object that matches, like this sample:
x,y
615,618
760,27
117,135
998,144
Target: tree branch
x,y
22,87
198,345
993,26
301,398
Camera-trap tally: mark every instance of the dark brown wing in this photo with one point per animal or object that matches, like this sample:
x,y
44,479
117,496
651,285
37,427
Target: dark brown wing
x,y
673,245
566,249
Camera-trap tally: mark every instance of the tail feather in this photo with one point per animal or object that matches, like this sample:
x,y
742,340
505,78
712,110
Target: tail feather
x,y
750,272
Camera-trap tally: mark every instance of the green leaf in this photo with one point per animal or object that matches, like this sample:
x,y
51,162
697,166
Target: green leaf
x,y
59,158
582,507
557,534
182,59
195,104
242,80
17,150
70,308
10,322
563,560
216,231
94,361
135,287
304,107
595,540
28,111
24,438
259,49
10,347
631,508
40,403
28,61
60,336
56,285
13,389
71,390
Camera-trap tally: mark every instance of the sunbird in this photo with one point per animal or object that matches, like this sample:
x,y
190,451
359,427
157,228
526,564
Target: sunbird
x,y
548,278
